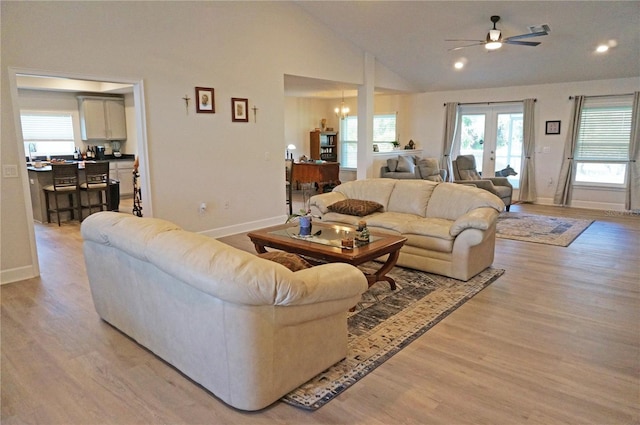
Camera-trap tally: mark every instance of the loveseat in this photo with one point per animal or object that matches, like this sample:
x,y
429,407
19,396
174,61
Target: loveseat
x,y
450,228
245,328
412,167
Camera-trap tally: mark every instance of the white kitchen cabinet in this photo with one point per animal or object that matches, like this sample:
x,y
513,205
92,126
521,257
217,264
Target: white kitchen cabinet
x,y
102,118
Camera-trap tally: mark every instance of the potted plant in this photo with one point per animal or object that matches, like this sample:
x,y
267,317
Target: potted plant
x,y
395,144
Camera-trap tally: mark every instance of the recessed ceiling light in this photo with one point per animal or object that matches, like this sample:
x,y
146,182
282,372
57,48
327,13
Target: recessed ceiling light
x,y
602,48
458,65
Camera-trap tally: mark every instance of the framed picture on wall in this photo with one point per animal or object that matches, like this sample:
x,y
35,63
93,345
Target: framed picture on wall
x,y
239,109
553,127
205,100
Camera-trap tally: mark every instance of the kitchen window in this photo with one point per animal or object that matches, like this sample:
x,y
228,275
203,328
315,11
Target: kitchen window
x,y
384,134
47,134
602,145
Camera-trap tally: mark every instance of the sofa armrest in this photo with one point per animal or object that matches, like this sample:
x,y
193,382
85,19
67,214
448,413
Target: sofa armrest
x,y
499,181
479,218
482,184
319,204
330,282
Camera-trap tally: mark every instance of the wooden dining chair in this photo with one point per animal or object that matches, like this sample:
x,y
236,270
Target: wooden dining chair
x,y
65,182
97,181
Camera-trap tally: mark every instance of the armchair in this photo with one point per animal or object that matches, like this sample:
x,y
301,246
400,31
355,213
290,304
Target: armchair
x,y
465,172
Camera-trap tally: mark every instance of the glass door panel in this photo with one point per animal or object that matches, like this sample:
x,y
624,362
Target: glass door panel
x,y
472,127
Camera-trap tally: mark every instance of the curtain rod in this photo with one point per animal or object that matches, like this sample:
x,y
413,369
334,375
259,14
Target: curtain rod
x,y
605,95
489,103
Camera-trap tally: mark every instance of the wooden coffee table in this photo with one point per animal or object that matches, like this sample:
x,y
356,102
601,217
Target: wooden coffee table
x,y
325,246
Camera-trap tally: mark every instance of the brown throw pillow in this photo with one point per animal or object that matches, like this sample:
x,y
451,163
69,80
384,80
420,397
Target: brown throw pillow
x,y
355,207
291,261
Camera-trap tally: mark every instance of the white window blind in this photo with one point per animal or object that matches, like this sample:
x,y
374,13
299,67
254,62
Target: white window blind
x,y
46,126
604,133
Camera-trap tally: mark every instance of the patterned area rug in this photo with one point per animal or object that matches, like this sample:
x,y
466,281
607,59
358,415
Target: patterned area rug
x,y
385,322
558,231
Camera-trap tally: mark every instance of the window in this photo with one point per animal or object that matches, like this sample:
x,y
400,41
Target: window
x,y
602,145
384,134
47,133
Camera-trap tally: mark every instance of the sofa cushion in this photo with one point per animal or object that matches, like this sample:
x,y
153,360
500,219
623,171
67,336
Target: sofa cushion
x,y
405,164
451,200
291,261
357,207
469,175
378,190
411,197
394,221
430,233
392,164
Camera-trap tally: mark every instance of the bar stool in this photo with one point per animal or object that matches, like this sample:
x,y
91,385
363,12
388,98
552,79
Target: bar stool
x,y
97,181
65,182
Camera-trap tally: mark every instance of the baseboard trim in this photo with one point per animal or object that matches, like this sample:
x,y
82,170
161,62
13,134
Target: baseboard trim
x,y
243,227
17,274
589,205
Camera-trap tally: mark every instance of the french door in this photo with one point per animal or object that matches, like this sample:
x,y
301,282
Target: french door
x,y
493,134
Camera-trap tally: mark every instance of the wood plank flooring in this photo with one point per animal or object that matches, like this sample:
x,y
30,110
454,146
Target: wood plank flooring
x,y
555,340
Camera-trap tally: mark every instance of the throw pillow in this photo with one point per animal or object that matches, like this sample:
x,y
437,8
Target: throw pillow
x,y
405,165
392,164
291,261
429,169
355,207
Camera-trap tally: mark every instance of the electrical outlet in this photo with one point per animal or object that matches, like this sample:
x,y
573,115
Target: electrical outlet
x,y
227,204
203,208
9,171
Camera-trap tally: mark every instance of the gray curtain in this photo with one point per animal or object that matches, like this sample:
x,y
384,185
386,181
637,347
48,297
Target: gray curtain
x,y
450,116
632,201
563,191
527,172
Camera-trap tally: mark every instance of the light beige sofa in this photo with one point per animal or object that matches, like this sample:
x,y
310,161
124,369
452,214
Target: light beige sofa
x,y
450,228
247,329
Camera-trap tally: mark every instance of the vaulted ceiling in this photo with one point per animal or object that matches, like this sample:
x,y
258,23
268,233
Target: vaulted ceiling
x,y
408,37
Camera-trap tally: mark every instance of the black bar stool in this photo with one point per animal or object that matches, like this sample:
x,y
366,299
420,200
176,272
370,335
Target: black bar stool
x,y
65,182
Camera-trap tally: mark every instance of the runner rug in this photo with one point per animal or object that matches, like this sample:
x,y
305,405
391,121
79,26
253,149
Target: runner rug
x,y
559,231
385,322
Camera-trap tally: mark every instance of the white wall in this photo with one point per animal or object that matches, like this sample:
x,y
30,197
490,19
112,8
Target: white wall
x,y
241,49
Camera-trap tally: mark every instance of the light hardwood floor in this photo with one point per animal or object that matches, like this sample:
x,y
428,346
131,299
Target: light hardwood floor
x,y
555,340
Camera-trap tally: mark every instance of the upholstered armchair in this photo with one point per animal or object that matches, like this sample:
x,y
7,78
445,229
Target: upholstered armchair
x,y
465,172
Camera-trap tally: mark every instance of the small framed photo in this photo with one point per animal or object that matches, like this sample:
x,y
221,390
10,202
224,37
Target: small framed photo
x,y
239,109
553,127
205,100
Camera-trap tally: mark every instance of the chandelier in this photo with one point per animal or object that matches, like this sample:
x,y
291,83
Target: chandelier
x,y
343,111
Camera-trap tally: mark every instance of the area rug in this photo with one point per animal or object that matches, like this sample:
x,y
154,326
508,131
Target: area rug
x,y
559,231
385,322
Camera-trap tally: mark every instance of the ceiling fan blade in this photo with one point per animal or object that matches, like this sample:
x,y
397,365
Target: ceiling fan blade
x,y
529,35
468,45
523,43
479,41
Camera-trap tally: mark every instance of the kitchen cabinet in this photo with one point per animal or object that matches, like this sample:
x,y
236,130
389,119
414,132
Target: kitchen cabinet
x,y
102,118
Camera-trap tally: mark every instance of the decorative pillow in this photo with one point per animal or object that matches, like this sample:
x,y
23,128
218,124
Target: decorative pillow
x,y
429,169
291,261
405,164
355,207
392,164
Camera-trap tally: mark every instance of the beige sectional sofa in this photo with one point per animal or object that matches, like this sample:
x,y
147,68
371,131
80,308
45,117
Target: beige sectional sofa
x,y
247,329
450,228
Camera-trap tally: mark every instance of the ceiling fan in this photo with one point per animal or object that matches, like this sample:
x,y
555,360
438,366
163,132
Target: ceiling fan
x,y
495,40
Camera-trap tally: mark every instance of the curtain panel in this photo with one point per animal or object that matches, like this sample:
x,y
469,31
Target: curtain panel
x,y
564,189
632,200
450,118
527,172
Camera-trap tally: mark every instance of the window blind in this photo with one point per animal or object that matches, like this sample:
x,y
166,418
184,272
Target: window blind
x,y
604,133
46,127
